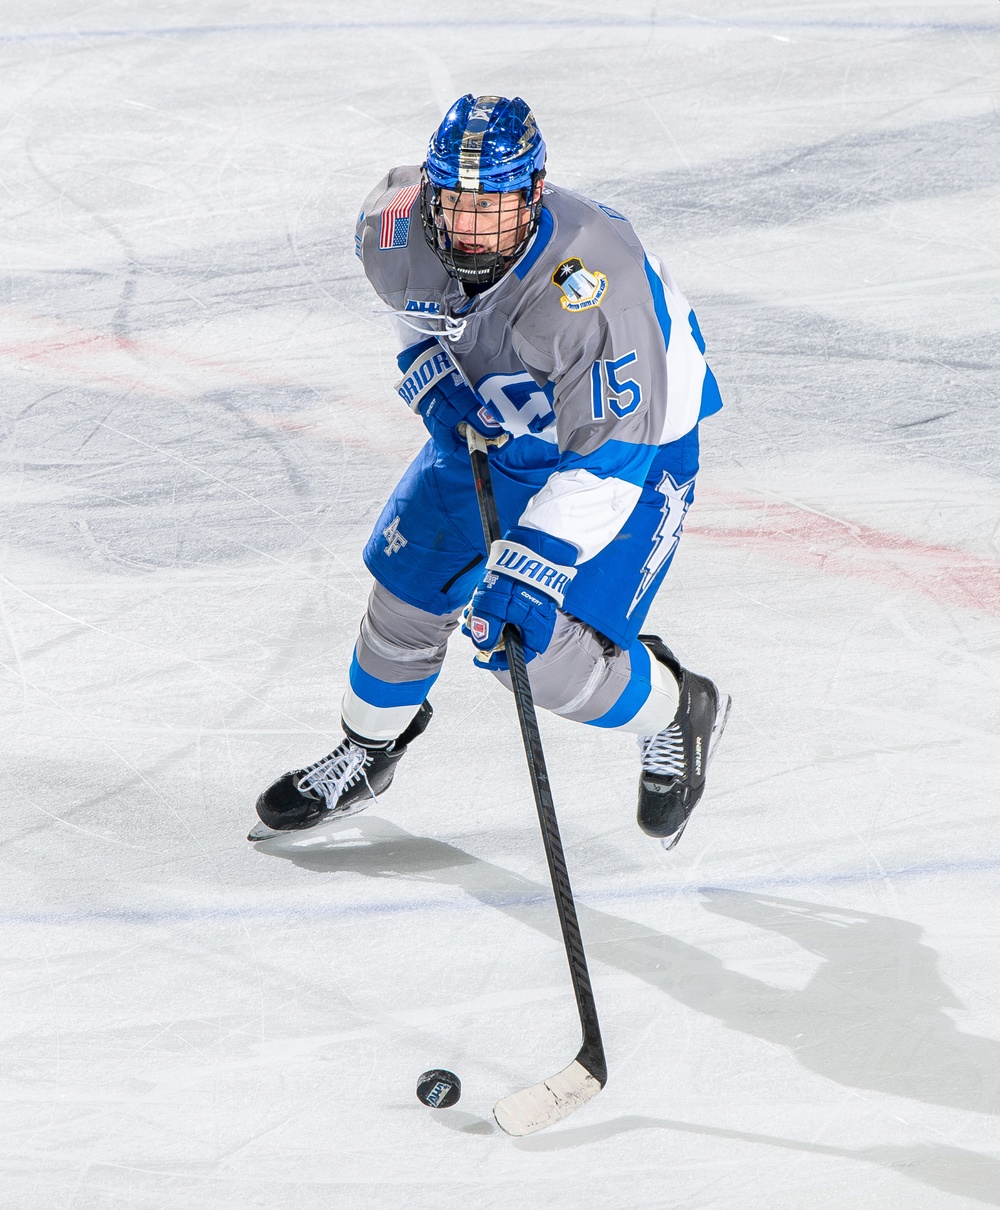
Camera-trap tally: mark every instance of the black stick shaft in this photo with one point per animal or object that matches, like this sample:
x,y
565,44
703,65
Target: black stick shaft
x,y
591,1053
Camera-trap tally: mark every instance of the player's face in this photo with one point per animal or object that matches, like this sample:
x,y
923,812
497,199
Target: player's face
x,y
484,222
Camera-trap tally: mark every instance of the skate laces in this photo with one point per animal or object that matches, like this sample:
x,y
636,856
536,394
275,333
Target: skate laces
x,y
335,773
663,753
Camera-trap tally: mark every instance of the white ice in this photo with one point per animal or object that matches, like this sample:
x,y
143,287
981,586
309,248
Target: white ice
x,y
800,1003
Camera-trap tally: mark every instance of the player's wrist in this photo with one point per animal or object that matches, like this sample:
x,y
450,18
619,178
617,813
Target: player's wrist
x,y
548,546
542,561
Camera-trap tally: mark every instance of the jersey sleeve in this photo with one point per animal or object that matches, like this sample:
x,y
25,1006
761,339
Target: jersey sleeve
x,y
627,379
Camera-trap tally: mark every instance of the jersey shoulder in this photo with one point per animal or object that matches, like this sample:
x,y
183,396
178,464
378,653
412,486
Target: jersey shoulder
x,y
393,196
589,269
389,239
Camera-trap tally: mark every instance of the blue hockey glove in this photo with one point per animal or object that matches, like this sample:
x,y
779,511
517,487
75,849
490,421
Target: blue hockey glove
x,y
437,392
526,575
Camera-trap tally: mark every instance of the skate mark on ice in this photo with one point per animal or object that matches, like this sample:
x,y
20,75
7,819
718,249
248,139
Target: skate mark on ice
x,y
326,841
788,186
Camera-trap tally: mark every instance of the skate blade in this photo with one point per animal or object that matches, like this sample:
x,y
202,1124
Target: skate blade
x,y
261,831
669,842
719,726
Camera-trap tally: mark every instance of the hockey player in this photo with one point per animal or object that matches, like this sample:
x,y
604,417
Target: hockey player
x,y
534,315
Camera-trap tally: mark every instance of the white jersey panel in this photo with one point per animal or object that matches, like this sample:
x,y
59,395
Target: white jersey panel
x,y
580,508
686,365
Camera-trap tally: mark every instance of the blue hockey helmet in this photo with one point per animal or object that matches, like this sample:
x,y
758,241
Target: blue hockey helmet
x,y
484,145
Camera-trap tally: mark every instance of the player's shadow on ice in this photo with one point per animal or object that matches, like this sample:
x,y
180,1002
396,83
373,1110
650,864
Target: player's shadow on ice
x,y
950,1169
872,1016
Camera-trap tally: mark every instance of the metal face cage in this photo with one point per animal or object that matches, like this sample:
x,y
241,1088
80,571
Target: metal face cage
x,y
478,243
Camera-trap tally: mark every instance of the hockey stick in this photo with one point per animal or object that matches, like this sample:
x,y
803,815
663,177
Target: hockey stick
x,y
544,1103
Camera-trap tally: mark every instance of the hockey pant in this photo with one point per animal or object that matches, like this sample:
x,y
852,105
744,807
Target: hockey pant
x,y
581,675
427,545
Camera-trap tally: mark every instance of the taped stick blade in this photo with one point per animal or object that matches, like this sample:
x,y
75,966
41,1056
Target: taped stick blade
x,y
543,1104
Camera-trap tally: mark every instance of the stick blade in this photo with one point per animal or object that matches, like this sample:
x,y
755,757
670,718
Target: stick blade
x,y
543,1104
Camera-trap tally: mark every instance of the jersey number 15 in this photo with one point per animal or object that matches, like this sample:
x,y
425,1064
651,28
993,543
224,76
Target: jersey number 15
x,y
608,391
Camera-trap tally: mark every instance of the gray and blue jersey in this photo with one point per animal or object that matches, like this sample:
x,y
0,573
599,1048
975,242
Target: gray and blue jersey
x,y
586,350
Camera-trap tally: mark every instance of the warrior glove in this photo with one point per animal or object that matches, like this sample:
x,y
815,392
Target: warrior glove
x,y
433,388
526,576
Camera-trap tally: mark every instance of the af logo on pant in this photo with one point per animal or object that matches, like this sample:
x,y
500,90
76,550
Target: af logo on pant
x,y
394,538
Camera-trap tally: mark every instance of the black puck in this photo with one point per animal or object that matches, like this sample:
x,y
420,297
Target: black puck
x,y
439,1088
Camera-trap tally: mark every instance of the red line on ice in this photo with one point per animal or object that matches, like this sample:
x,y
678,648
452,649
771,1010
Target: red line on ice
x,y
91,355
776,529
845,548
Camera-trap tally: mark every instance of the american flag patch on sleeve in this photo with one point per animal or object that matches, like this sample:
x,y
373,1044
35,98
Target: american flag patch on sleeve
x,y
396,218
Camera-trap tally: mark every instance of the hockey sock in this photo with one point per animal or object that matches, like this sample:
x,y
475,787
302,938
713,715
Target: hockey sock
x,y
381,710
648,702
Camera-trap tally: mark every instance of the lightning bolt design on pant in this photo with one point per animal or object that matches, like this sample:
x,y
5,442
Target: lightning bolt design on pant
x,y
677,499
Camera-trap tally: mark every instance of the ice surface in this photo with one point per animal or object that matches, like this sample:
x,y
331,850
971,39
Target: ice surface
x,y
800,1002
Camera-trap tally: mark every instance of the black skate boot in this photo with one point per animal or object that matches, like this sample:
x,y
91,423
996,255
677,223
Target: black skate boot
x,y
674,761
339,785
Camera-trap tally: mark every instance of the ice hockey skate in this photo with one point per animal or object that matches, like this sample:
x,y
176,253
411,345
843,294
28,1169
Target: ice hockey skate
x,y
339,785
675,760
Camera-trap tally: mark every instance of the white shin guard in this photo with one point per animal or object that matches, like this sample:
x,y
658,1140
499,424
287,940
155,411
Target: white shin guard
x,y
379,723
660,706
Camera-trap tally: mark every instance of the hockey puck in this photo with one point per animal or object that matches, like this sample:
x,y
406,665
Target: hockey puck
x,y
439,1088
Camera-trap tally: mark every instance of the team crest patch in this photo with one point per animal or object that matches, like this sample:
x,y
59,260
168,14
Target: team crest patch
x,y
395,227
581,287
479,628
